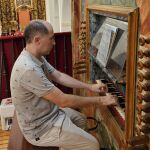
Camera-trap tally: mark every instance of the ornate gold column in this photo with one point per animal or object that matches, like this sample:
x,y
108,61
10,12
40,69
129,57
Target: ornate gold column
x,y
38,11
7,14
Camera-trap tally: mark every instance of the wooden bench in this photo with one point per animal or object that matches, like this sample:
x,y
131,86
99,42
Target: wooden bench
x,y
18,142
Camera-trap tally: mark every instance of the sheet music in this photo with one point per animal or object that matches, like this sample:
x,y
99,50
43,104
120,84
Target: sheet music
x,y
106,43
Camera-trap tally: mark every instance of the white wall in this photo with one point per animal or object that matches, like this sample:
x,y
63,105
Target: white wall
x,y
58,13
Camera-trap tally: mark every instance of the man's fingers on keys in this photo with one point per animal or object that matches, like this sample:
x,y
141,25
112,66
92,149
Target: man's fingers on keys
x,y
115,99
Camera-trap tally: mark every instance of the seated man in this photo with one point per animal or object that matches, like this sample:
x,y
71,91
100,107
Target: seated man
x,y
43,111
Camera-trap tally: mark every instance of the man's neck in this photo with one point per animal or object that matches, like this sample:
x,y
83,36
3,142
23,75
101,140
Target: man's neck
x,y
32,50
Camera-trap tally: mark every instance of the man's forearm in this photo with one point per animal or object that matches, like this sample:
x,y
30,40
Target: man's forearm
x,y
67,100
68,81
79,101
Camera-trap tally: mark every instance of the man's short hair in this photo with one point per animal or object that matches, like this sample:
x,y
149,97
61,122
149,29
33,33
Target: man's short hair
x,y
34,27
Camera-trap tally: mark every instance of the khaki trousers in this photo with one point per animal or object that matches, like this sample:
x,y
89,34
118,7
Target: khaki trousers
x,y
70,136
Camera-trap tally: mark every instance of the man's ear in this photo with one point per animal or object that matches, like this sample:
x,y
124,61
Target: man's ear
x,y
36,39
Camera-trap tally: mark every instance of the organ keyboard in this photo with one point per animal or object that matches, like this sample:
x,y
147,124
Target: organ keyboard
x,y
117,111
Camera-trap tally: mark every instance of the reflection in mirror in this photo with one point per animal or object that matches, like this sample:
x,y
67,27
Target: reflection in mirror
x,y
109,43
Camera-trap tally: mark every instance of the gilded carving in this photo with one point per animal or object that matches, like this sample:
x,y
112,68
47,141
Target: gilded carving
x,y
23,3
38,11
7,14
9,8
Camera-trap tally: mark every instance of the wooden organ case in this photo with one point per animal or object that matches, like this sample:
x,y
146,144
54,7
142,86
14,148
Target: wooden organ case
x,y
112,56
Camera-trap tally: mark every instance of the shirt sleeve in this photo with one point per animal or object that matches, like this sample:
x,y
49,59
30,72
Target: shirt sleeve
x,y
35,81
49,66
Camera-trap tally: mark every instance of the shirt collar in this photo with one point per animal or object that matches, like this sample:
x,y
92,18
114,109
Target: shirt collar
x,y
37,61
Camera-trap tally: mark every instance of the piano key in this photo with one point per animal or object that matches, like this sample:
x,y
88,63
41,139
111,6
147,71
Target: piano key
x,y
104,80
110,90
121,100
116,93
119,115
122,105
110,83
121,111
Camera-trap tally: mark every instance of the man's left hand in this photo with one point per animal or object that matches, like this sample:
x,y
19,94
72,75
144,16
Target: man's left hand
x,y
100,88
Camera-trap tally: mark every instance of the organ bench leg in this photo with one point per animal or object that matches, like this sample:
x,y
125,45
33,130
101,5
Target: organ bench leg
x,y
18,142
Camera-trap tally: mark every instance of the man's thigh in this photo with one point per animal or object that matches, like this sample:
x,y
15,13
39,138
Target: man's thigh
x,y
79,119
75,138
68,136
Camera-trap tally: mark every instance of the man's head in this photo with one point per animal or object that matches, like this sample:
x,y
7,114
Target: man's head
x,y
40,36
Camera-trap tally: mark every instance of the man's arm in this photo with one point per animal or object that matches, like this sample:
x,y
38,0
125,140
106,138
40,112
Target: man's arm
x,y
68,81
67,100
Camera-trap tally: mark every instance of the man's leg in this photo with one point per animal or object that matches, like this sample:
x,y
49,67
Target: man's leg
x,y
79,119
75,138
70,136
67,137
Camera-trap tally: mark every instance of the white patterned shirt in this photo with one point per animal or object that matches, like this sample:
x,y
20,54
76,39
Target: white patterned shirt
x,y
29,83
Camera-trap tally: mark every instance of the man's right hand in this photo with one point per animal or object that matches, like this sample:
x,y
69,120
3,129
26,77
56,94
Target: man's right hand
x,y
108,100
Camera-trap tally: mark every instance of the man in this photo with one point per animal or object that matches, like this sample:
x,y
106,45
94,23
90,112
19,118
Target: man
x,y
43,112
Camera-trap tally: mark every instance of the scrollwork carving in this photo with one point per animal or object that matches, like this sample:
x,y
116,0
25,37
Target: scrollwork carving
x,y
8,12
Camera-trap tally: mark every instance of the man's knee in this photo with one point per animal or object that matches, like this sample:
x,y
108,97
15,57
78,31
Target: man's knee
x,y
96,146
93,145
